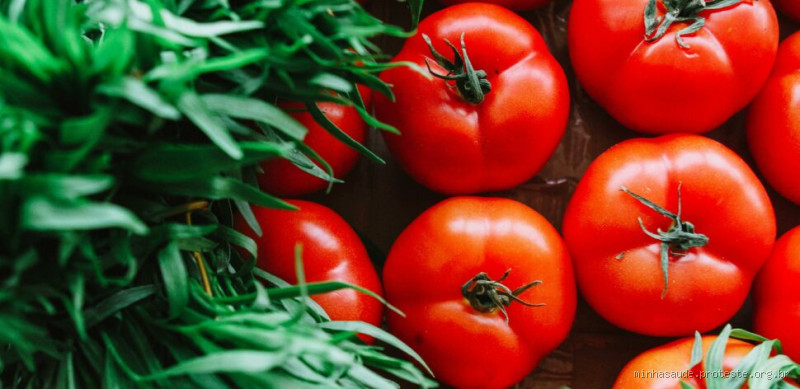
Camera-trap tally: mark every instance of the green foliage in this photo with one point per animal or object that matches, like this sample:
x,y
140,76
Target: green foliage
x,y
764,367
121,122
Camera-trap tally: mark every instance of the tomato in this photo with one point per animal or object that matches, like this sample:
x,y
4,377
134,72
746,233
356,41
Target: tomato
x,y
777,294
682,81
282,178
516,5
790,8
331,251
458,138
712,223
439,272
666,366
773,126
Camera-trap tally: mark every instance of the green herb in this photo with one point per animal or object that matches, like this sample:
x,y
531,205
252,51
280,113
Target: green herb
x,y
129,135
760,368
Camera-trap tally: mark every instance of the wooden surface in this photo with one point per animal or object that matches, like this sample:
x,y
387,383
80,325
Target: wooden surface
x,y
380,201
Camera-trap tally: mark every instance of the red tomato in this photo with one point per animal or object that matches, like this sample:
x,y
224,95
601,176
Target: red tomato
x,y
516,5
790,8
451,320
777,294
773,126
282,178
665,366
451,142
331,251
699,276
657,86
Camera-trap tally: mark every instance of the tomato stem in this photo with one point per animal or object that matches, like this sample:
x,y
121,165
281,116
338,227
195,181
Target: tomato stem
x,y
680,237
487,295
472,84
679,11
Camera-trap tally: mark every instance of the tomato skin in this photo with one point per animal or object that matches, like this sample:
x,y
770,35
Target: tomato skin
x,y
658,87
455,147
445,247
514,5
777,294
773,125
284,179
331,251
672,359
790,8
721,196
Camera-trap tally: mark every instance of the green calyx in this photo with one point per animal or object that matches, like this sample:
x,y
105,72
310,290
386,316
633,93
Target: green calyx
x,y
472,84
677,240
679,11
487,295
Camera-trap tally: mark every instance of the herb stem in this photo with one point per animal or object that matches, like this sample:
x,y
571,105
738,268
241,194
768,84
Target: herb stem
x,y
200,262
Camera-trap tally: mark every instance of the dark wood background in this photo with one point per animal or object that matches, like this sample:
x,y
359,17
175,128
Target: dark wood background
x,y
379,201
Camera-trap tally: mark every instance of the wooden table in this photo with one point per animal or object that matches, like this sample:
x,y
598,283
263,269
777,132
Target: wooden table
x,y
380,201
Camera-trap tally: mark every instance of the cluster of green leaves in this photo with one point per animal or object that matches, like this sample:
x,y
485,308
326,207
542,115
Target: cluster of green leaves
x,y
129,134
764,367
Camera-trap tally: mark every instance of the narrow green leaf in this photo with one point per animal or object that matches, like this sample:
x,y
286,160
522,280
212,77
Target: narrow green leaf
x,y
12,165
175,278
77,286
138,93
252,109
233,61
303,157
66,186
337,133
402,369
41,214
227,234
66,373
369,378
771,371
197,111
313,288
247,213
377,333
201,30
115,52
332,82
739,333
238,361
177,162
416,11
745,367
714,360
115,303
197,244
220,188
85,129
697,350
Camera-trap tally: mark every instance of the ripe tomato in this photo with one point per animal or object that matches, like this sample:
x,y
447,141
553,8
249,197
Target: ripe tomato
x,y
463,138
777,294
516,5
654,84
439,274
666,366
773,126
790,8
331,251
282,178
684,262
